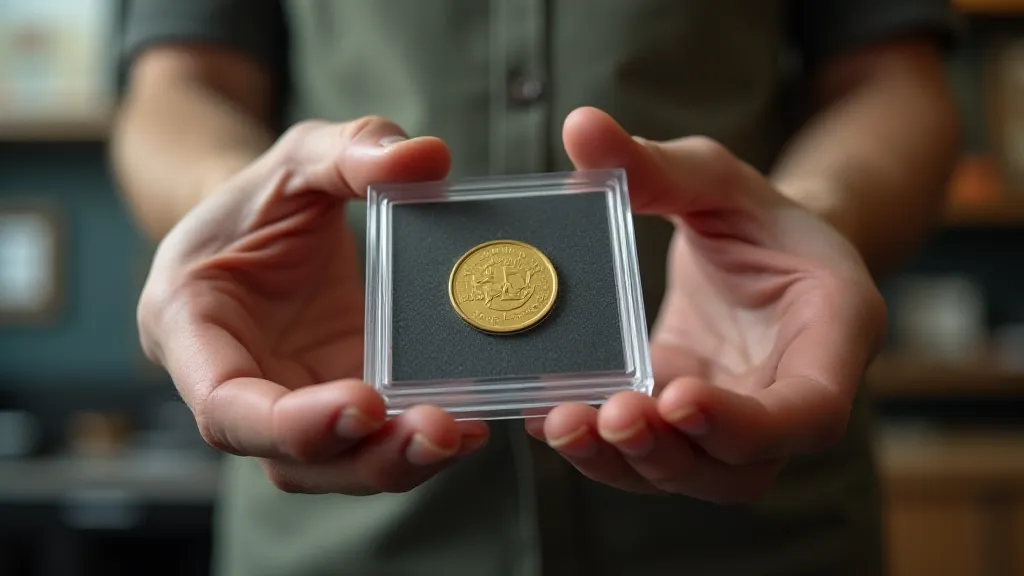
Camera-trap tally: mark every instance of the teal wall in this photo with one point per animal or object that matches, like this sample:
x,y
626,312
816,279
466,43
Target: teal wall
x,y
94,339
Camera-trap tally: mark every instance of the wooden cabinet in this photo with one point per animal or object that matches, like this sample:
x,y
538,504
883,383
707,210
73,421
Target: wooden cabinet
x,y
936,538
1017,538
955,504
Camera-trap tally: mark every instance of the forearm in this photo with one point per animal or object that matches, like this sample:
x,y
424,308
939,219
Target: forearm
x,y
173,147
875,162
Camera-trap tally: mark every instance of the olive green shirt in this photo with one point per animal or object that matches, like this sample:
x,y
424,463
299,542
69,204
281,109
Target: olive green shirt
x,y
495,79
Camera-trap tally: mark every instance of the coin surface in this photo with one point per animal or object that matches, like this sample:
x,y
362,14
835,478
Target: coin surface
x,y
503,286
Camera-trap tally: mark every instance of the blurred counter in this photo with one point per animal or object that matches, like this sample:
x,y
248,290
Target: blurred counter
x,y
147,512
954,501
152,477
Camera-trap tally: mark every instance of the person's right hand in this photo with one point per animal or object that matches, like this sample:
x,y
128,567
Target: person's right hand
x,y
254,306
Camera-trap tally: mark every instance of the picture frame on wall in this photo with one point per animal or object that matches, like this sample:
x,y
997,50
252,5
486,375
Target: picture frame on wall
x,y
32,263
55,59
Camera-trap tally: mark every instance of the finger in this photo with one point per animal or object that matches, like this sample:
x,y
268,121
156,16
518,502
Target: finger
x,y
668,355
533,421
344,159
475,435
668,461
682,177
571,430
535,427
254,417
630,422
403,454
239,412
790,417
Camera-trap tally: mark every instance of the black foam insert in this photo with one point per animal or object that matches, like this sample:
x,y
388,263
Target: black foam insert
x,y
582,333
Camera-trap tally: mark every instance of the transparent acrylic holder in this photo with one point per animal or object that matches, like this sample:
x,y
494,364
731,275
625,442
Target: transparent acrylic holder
x,y
594,342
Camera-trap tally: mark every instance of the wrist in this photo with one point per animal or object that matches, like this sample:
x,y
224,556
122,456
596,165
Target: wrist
x,y
827,201
847,214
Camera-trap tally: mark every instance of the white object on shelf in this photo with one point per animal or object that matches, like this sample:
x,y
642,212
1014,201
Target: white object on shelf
x,y
941,318
19,433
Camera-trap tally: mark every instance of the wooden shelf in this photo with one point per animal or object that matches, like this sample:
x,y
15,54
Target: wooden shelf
x,y
990,7
54,129
1004,213
894,377
918,463
954,502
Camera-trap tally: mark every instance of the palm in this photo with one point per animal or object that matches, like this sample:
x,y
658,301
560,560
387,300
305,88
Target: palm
x,y
719,323
289,293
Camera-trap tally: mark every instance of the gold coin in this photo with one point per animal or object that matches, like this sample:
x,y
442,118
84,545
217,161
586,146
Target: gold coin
x,y
503,286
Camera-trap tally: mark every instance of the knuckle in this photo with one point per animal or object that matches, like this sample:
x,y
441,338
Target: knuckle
x,y
303,142
713,155
707,147
299,131
353,129
363,122
288,149
210,428
210,432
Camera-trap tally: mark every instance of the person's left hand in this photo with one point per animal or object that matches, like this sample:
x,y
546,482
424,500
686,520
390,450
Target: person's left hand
x,y
769,320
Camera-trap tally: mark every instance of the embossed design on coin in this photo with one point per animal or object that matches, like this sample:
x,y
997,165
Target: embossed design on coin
x,y
503,286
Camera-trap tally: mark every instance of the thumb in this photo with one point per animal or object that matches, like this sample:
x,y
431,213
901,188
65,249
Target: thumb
x,y
681,177
344,159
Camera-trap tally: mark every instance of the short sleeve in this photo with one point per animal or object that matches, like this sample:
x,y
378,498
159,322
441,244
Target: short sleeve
x,y
255,28
827,28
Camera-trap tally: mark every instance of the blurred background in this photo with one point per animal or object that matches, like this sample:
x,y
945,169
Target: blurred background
x,y
102,472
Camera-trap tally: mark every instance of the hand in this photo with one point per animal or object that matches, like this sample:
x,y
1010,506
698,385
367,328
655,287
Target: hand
x,y
254,306
768,323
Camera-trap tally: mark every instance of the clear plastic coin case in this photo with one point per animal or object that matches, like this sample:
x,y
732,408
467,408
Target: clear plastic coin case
x,y
503,297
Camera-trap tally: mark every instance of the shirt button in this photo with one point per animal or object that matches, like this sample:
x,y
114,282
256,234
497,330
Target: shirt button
x,y
524,89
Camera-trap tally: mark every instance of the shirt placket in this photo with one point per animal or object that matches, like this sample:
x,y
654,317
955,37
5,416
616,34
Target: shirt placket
x,y
519,110
519,142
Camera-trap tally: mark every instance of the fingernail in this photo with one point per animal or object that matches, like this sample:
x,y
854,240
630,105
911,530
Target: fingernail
x,y
635,440
535,428
471,444
391,140
689,420
423,452
354,424
578,443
